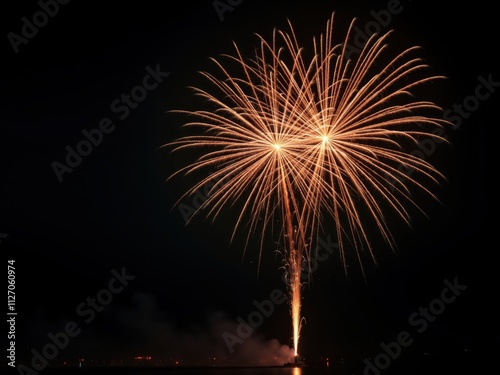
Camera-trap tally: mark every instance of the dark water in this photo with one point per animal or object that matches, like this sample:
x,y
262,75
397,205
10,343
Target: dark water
x,y
245,371
208,371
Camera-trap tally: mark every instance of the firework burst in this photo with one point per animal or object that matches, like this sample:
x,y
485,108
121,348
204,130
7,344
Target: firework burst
x,y
304,139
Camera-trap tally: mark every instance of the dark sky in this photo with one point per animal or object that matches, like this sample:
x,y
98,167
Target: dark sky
x,y
114,210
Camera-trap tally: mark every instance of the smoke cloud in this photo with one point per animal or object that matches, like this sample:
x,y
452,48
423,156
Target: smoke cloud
x,y
142,328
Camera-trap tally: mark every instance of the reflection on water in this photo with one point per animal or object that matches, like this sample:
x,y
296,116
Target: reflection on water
x,y
309,370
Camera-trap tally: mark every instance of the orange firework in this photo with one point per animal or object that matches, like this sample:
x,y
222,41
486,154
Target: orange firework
x,y
303,139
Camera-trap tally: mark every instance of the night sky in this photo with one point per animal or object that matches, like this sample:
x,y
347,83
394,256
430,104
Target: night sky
x,y
187,285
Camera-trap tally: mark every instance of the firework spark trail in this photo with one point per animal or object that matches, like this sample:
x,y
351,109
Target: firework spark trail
x,y
308,139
